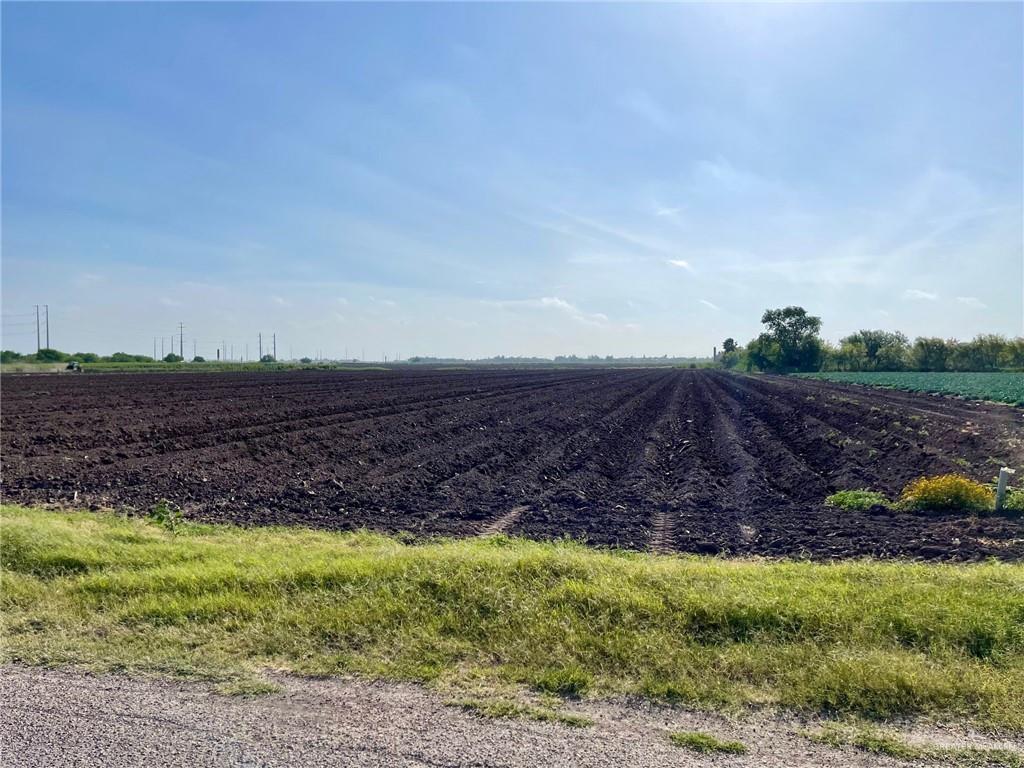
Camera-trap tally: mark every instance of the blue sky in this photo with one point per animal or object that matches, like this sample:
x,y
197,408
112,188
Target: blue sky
x,y
508,179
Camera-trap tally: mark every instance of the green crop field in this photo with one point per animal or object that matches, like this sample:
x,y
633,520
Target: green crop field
x,y
999,387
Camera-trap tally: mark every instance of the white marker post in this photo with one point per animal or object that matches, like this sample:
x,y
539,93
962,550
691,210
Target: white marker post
x,y
1004,478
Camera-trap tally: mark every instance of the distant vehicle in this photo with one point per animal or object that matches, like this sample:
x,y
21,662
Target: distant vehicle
x,y
74,365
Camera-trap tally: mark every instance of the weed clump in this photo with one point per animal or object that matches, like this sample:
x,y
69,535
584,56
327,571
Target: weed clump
x,y
860,499
570,681
1014,504
166,515
502,709
947,492
706,744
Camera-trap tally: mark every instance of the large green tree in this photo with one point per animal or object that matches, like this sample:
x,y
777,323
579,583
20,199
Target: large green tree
x,y
790,343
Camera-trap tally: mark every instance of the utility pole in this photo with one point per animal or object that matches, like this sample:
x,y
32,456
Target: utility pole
x,y
232,351
260,336
247,351
275,346
181,340
154,347
47,325
38,344
194,349
161,347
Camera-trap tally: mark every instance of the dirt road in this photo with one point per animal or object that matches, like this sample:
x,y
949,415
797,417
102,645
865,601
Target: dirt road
x,y
56,718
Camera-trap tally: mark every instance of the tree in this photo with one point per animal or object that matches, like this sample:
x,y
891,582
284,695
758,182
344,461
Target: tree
x,y
874,351
198,359
731,353
9,356
51,356
267,359
306,360
173,358
930,354
791,342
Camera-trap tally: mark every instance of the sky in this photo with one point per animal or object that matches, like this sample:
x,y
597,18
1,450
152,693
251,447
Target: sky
x,y
519,179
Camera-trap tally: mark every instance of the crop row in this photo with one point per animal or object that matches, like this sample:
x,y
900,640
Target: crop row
x,y
997,387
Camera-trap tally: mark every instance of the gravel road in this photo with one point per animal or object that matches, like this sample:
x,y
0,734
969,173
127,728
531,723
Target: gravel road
x,y
61,718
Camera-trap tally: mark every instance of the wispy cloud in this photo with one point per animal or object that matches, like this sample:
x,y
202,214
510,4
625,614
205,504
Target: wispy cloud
x,y
833,270
666,210
707,303
556,304
280,301
594,229
169,302
971,301
681,263
915,294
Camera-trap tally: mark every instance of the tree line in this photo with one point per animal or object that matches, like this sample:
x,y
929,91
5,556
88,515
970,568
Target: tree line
x,y
791,342
56,356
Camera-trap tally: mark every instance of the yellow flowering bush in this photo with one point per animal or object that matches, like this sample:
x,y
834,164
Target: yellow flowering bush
x,y
947,492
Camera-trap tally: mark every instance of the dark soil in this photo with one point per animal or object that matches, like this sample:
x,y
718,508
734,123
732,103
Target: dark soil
x,y
670,460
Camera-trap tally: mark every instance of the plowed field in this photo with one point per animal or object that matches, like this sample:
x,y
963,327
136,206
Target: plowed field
x,y
670,460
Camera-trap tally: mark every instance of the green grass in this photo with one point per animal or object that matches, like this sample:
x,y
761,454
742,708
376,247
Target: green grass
x,y
514,710
857,499
880,742
877,639
999,387
706,744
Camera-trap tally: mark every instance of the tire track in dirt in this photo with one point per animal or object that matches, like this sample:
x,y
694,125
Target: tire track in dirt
x,y
504,522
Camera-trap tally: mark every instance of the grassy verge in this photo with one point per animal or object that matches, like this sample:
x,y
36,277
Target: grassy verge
x,y
880,742
876,639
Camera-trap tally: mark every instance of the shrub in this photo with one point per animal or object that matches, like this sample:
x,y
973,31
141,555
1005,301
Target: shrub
x,y
947,492
857,499
198,359
173,358
267,359
9,356
47,355
166,514
1014,503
